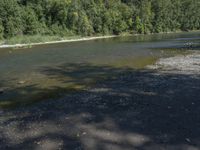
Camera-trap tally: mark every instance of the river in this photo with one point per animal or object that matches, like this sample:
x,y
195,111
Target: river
x,y
29,75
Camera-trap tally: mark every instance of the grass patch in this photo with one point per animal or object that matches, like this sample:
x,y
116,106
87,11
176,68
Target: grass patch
x,y
28,39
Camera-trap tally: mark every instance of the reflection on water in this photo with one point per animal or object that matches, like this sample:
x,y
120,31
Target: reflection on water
x,y
48,71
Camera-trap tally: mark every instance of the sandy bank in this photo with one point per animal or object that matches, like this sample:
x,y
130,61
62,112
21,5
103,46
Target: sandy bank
x,y
54,42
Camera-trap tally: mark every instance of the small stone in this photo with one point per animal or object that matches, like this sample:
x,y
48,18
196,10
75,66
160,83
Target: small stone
x,y
169,107
188,140
67,118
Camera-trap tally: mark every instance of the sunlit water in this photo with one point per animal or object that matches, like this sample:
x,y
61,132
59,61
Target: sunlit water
x,y
43,72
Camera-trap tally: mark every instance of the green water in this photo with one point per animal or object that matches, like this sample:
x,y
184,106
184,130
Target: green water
x,y
50,71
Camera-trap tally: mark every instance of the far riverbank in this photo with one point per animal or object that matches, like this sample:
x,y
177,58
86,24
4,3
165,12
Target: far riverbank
x,y
29,41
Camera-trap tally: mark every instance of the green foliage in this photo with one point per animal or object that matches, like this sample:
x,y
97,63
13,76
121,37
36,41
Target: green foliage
x,y
89,17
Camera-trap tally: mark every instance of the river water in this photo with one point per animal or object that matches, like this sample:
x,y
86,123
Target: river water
x,y
44,72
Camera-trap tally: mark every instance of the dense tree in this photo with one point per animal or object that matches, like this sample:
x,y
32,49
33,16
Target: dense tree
x,y
1,30
81,17
190,19
30,22
11,17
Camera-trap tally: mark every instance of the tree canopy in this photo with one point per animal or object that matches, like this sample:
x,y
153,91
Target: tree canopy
x,y
90,17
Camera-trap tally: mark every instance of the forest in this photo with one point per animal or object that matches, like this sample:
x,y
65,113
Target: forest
x,y
96,17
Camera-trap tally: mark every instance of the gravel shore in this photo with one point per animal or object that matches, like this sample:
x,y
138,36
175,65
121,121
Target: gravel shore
x,y
183,64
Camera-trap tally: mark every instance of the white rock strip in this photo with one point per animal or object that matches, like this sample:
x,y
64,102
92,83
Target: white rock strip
x,y
189,64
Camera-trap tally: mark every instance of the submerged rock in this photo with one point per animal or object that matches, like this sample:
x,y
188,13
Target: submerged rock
x,y
21,82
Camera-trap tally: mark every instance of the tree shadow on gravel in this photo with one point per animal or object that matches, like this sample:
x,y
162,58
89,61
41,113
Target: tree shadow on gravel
x,y
127,110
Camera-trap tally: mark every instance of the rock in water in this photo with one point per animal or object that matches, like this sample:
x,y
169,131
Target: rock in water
x,y
1,91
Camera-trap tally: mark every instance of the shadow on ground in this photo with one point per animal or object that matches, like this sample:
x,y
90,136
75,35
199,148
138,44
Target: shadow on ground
x,y
129,109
